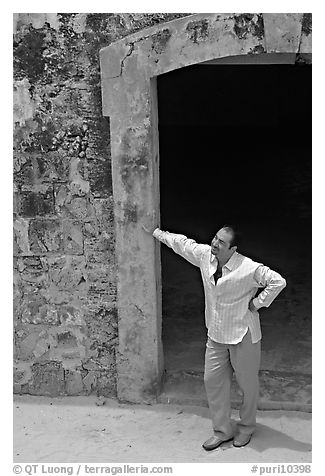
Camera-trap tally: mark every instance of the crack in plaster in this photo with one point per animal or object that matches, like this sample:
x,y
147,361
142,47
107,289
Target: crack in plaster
x,y
302,32
140,311
129,53
131,44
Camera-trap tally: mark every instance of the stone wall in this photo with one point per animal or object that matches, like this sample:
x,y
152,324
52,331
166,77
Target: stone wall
x,y
65,319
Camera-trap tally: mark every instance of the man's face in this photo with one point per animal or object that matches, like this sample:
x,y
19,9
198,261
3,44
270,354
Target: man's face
x,y
221,245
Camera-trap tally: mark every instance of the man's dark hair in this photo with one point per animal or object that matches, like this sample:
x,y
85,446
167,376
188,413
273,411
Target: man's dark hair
x,y
236,235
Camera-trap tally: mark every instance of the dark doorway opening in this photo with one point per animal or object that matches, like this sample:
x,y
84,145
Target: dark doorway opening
x,y
235,147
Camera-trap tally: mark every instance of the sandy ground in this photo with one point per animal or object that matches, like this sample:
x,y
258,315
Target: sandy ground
x,y
75,429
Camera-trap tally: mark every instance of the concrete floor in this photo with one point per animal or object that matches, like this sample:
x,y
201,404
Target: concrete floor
x,y
286,328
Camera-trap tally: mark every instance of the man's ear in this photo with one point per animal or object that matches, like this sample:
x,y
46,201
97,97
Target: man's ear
x,y
233,248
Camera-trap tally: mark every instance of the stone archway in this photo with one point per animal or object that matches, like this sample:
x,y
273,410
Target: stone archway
x,y
129,69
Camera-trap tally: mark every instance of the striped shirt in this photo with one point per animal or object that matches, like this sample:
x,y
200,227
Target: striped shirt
x,y
227,316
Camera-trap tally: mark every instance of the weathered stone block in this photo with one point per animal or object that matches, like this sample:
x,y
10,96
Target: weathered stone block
x,y
91,364
91,231
41,349
69,206
78,177
69,345
101,259
25,347
99,234
73,383
33,275
68,283
71,315
66,278
18,375
73,237
24,172
37,202
106,384
71,354
35,310
99,239
91,152
90,381
31,264
99,174
22,373
107,361
68,273
102,292
15,203
102,327
104,211
48,379
17,300
45,236
101,275
23,104
103,315
21,239
57,297
36,168
52,166
66,338
17,388
103,341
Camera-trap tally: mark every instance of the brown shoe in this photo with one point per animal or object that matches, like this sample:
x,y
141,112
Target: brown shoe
x,y
241,440
213,443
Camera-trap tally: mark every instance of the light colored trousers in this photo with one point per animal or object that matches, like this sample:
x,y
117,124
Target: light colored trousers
x,y
221,360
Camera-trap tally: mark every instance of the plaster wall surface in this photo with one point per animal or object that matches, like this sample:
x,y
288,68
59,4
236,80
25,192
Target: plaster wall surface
x,y
128,71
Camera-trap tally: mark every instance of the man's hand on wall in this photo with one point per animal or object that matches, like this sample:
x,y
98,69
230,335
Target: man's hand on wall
x,y
149,222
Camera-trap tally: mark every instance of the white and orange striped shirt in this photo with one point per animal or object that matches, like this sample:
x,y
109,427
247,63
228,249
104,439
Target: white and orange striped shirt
x,y
227,316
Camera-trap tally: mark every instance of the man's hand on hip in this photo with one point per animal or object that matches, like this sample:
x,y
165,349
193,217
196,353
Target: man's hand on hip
x,y
251,306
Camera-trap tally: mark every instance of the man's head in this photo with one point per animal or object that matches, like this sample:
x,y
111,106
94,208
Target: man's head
x,y
224,243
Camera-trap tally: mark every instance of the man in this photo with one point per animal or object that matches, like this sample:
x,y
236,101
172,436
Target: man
x,y
230,282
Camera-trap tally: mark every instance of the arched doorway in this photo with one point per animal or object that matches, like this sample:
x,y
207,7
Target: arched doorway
x,y
235,147
129,70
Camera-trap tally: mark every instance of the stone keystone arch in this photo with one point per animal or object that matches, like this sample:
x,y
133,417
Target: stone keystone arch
x,y
129,69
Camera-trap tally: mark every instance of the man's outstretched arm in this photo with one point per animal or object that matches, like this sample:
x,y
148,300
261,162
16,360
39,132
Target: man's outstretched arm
x,y
185,247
